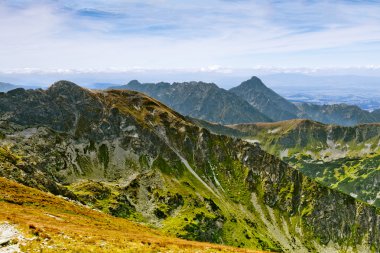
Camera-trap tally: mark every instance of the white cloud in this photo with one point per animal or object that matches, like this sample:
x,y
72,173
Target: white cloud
x,y
182,34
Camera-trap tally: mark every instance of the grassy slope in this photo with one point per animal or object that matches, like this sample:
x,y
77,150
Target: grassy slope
x,y
349,163
355,176
300,135
55,225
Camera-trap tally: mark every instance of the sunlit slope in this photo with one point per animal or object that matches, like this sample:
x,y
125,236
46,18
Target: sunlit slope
x,y
54,224
344,158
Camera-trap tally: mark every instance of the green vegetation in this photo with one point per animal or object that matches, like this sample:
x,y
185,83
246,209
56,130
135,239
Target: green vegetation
x,y
342,158
357,177
52,224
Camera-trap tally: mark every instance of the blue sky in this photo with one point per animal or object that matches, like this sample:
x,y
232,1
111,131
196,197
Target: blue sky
x,y
214,35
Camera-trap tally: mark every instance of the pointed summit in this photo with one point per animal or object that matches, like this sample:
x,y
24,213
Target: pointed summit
x,y
134,82
265,100
253,82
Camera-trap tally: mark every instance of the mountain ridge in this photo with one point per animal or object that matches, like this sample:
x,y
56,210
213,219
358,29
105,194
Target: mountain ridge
x,y
339,114
207,101
200,100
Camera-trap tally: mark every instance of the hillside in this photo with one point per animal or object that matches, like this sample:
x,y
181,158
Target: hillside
x,y
307,135
130,156
201,100
265,100
345,158
35,221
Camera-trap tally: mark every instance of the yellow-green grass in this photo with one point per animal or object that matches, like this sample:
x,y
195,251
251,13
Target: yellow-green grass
x,y
53,224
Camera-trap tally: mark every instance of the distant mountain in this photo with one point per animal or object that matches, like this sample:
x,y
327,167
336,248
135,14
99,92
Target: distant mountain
x,y
249,102
4,87
376,115
339,114
265,100
201,100
278,108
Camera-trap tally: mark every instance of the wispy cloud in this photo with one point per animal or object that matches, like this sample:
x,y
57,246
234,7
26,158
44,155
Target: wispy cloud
x,y
187,34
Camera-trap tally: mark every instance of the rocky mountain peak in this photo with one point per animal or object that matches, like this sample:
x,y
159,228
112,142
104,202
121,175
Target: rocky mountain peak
x,y
63,84
253,83
134,82
65,87
265,100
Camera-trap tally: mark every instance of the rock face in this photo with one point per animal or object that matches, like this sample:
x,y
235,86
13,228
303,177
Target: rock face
x,y
265,100
10,238
129,155
201,100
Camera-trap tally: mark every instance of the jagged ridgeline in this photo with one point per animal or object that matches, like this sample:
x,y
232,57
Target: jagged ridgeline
x,y
251,101
129,155
201,100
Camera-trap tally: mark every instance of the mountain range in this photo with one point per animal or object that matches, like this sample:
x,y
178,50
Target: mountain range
x,y
130,156
209,102
201,100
